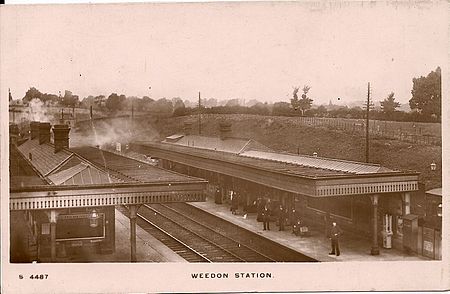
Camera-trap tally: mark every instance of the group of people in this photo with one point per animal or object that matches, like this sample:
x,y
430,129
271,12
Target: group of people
x,y
268,211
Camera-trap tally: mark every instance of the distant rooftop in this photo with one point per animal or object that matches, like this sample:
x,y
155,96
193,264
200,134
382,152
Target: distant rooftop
x,y
247,151
319,162
229,144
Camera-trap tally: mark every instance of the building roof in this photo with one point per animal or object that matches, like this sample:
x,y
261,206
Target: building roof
x,y
129,169
318,162
81,174
236,151
61,168
229,144
87,165
43,157
271,165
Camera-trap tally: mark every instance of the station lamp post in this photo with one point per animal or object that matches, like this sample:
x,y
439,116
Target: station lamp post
x,y
93,219
433,166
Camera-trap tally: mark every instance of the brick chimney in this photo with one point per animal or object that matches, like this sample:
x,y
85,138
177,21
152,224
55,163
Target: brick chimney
x,y
44,132
13,133
225,130
34,130
187,128
61,137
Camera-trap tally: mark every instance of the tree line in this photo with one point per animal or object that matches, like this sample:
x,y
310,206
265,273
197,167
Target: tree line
x,y
425,104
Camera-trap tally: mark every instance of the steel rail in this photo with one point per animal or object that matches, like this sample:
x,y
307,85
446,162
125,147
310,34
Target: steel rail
x,y
173,238
194,233
212,229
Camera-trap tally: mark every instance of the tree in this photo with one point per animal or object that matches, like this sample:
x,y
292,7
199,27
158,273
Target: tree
x,y
259,108
31,94
162,106
426,94
389,105
99,101
147,103
356,112
232,102
321,111
69,99
87,101
113,102
304,103
281,108
179,109
50,98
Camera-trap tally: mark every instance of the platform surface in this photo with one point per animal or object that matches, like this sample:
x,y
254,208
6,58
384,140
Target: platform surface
x,y
316,245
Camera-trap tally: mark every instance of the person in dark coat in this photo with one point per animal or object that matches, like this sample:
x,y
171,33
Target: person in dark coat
x,y
260,209
234,202
294,220
293,217
281,218
266,218
334,234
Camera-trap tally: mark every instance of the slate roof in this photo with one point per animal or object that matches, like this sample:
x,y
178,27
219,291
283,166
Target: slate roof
x,y
271,165
81,174
230,144
318,162
25,181
61,168
44,159
301,165
21,172
129,169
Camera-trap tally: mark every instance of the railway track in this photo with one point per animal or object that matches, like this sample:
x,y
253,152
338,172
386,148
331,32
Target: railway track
x,y
194,234
176,245
267,247
210,244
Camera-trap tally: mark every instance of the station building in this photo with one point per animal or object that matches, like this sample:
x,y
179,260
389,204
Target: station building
x,y
368,200
68,196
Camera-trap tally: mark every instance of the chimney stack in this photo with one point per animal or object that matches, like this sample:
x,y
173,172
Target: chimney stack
x,y
34,129
44,132
187,128
13,133
225,130
61,137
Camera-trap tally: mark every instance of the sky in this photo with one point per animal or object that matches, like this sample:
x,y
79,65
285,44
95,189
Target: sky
x,y
224,50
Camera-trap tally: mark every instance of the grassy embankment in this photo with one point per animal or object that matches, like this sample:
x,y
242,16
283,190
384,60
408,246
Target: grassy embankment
x,y
285,134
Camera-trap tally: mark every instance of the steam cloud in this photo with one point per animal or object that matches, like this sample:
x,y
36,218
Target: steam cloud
x,y
110,131
38,111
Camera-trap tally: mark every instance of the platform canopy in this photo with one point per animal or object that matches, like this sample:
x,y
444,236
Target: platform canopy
x,y
300,174
41,178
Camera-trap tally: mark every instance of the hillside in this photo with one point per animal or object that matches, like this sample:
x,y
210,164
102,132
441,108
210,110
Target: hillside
x,y
284,134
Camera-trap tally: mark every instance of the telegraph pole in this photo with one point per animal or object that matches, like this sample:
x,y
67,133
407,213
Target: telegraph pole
x,y
367,121
199,115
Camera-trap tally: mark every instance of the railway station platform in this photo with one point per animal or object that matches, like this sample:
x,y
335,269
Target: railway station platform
x,y
316,245
148,249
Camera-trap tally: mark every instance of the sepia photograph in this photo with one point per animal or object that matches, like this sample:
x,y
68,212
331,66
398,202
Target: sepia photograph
x,y
224,146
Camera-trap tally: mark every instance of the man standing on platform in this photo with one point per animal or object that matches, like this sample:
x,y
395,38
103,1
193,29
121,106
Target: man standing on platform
x,y
281,218
334,234
266,217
